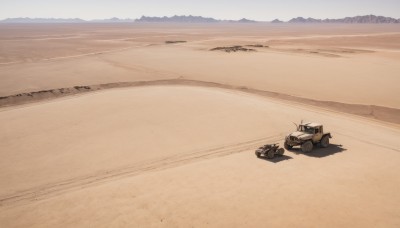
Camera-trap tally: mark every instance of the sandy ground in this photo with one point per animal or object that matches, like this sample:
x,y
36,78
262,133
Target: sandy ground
x,y
182,154
359,61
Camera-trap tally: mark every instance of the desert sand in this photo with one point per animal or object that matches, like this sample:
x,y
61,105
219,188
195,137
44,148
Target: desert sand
x,y
110,126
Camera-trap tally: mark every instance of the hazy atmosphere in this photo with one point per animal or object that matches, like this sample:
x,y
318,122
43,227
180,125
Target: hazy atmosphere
x,y
184,121
262,10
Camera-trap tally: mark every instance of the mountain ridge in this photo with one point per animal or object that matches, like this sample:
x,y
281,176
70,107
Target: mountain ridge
x,y
189,19
366,19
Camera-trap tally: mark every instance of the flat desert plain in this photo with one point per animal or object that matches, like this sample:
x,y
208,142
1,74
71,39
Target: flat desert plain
x,y
126,125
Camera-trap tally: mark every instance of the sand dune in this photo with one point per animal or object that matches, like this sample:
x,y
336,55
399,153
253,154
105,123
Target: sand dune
x,y
361,78
381,113
365,73
108,125
174,146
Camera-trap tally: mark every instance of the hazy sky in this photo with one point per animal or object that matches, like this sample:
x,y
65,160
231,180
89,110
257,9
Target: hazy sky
x,y
220,9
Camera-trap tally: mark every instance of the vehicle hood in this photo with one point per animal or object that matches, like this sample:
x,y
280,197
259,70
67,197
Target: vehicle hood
x,y
301,135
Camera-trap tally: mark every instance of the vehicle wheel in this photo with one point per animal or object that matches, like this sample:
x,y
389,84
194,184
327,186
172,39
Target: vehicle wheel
x,y
287,146
271,154
325,141
307,147
280,151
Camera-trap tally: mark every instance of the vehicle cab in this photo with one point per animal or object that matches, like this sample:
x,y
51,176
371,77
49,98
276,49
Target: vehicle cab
x,y
314,129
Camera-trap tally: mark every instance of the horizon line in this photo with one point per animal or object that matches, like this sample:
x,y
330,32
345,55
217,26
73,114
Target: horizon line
x,y
131,18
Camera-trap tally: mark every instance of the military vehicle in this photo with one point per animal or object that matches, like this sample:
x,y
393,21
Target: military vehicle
x,y
306,136
269,151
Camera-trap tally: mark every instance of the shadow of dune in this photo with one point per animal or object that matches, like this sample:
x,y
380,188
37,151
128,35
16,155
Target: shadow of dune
x,y
319,152
277,158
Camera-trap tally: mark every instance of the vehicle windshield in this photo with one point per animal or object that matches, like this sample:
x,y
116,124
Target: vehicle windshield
x,y
306,129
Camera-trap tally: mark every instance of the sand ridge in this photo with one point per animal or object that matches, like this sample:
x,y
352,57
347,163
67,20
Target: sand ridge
x,y
362,77
165,135
381,113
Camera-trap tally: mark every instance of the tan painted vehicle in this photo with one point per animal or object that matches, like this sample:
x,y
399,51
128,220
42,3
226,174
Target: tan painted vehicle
x,y
306,136
269,151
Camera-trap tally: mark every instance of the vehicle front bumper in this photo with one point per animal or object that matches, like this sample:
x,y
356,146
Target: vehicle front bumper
x,y
292,141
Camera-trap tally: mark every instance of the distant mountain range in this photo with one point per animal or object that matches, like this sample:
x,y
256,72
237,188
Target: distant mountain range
x,y
188,19
367,19
173,19
182,19
276,21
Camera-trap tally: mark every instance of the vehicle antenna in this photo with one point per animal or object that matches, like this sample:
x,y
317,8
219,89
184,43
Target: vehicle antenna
x,y
297,127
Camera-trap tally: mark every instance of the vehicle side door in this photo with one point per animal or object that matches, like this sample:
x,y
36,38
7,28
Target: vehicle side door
x,y
317,134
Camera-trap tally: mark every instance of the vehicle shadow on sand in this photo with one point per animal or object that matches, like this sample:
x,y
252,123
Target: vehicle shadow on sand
x,y
277,158
319,152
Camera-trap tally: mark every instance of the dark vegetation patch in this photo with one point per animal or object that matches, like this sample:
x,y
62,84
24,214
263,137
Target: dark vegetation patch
x,y
257,46
233,49
175,41
82,87
42,94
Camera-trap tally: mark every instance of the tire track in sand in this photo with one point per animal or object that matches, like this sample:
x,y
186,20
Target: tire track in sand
x,y
54,189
